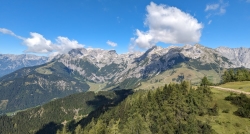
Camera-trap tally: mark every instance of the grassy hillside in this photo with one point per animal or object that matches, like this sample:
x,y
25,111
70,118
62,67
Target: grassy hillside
x,y
241,85
96,87
178,74
226,122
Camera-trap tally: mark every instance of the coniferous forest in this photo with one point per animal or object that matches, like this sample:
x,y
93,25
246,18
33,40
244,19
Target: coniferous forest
x,y
48,118
232,75
173,108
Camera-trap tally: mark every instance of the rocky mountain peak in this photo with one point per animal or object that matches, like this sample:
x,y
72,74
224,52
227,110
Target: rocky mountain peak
x,y
112,52
77,52
238,56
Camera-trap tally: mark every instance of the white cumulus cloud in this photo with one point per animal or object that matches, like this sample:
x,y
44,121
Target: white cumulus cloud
x,y
39,44
112,44
168,25
64,44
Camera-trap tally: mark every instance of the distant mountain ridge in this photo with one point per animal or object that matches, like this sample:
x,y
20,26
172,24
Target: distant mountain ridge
x,y
83,69
104,65
11,62
239,56
32,86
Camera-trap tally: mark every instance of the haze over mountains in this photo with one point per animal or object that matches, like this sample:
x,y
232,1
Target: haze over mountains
x,y
81,69
10,62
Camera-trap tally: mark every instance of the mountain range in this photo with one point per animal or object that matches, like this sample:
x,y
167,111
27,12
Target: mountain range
x,y
86,69
10,62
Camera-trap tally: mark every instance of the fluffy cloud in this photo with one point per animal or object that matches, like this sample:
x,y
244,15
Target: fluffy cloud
x,y
38,44
216,9
63,44
168,25
112,44
7,31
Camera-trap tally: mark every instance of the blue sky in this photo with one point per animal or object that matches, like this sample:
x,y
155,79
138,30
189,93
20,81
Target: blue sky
x,y
55,26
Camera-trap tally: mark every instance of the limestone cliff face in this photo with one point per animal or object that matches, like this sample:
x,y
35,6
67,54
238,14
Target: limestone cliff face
x,y
239,56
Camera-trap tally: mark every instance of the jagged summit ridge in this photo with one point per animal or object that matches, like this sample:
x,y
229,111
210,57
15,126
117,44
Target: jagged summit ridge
x,y
100,58
100,65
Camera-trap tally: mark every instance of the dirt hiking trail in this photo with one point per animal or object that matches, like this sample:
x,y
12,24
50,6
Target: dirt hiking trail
x,y
231,90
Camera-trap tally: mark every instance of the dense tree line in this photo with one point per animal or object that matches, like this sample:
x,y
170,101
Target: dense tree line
x,y
167,110
232,75
243,102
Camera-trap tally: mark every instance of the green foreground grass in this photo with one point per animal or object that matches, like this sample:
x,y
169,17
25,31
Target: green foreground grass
x,y
226,123
242,86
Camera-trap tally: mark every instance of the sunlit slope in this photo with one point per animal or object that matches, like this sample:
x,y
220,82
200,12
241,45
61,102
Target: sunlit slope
x,y
179,73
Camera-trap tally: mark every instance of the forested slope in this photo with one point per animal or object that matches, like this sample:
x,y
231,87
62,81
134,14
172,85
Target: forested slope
x,y
170,109
50,117
29,87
